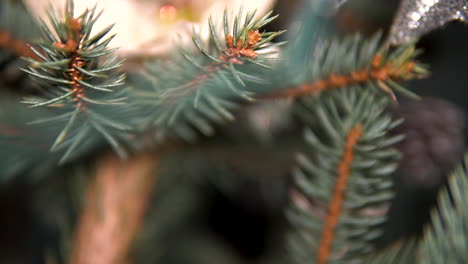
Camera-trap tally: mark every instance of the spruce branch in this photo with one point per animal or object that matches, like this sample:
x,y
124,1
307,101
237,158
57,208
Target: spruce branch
x,y
316,24
17,29
18,47
342,184
356,61
196,89
114,209
403,252
24,148
77,78
336,202
444,239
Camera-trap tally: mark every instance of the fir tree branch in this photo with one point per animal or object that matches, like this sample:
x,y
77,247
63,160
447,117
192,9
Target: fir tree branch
x,y
25,148
18,47
444,239
316,22
78,79
342,183
403,252
17,28
196,89
115,204
377,72
334,207
354,61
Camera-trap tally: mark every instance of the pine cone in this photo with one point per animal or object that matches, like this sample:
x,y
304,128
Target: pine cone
x,y
434,142
433,146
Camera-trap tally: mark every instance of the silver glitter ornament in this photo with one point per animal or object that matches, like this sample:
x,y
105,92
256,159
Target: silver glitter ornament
x,y
417,17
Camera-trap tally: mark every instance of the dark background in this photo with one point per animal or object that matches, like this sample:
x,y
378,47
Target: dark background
x,y
229,203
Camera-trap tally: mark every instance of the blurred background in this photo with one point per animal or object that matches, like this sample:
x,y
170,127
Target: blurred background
x,y
224,203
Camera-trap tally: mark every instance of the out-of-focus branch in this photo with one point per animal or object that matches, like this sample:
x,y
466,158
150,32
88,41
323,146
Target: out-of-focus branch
x,y
18,47
115,204
337,199
377,71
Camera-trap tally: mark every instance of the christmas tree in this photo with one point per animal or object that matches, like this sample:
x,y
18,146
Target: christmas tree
x,y
194,132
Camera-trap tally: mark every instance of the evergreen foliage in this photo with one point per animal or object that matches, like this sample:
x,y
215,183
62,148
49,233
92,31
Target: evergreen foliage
x,y
354,61
403,252
17,28
343,188
197,88
314,25
75,83
340,88
444,239
13,29
345,198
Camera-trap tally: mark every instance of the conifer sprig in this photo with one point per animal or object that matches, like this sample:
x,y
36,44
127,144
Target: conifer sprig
x,y
77,78
16,46
343,183
403,252
355,61
17,28
445,237
336,201
195,89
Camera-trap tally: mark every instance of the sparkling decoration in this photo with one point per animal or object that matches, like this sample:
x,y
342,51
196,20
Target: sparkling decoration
x,y
418,17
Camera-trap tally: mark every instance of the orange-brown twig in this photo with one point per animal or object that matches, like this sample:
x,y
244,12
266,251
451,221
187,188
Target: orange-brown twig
x,y
11,131
334,207
242,48
232,54
18,47
377,72
114,208
72,46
